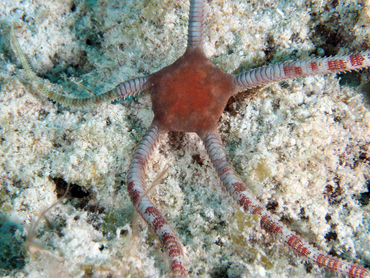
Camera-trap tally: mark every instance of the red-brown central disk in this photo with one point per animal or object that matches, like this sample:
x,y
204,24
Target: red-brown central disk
x,y
190,94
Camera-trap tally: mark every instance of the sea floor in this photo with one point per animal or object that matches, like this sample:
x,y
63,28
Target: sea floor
x,y
301,145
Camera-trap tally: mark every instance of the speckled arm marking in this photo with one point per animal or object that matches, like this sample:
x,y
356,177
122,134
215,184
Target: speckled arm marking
x,y
273,73
250,205
136,190
196,23
123,90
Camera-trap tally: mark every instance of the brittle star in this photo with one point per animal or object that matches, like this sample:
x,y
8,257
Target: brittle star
x,y
189,96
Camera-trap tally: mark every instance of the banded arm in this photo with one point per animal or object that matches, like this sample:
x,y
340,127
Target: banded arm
x,y
273,73
123,90
142,204
250,205
196,23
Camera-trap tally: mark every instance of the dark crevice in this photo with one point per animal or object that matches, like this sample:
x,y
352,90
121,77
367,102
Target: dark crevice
x,y
331,236
330,34
364,198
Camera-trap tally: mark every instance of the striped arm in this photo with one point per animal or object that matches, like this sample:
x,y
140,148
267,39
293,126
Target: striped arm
x,y
142,204
269,74
123,90
250,205
196,23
